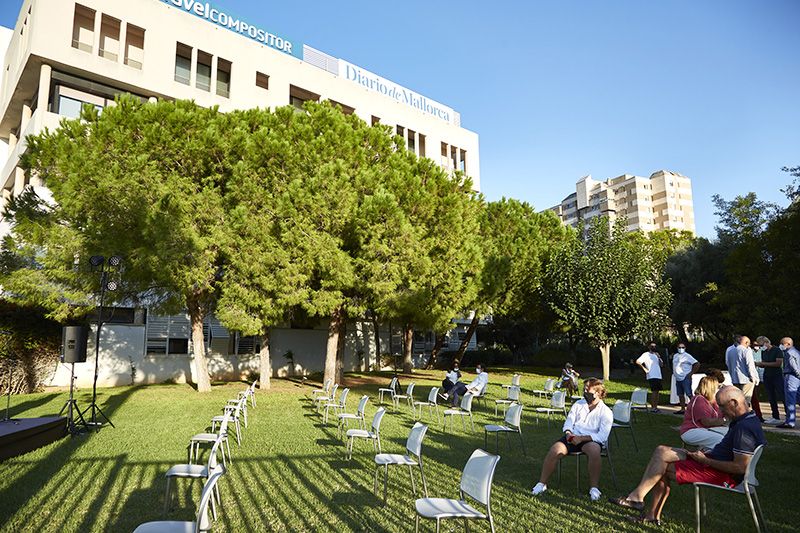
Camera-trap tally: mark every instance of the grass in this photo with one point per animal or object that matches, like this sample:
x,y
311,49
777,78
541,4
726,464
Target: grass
x,y
291,473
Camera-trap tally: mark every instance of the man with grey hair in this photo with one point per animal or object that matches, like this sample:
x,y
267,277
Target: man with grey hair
x,y
772,363
742,367
724,465
791,380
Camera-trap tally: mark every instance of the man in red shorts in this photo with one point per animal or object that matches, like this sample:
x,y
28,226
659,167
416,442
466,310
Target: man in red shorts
x,y
724,465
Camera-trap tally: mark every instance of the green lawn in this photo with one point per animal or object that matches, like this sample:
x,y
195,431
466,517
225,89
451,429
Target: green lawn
x,y
291,473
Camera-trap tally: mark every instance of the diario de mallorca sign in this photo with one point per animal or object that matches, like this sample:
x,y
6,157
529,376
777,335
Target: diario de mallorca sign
x,y
206,11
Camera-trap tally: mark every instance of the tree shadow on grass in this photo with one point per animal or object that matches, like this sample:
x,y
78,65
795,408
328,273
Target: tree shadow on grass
x,y
19,408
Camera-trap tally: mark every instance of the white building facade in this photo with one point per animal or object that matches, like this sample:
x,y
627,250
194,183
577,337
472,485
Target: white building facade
x,y
62,54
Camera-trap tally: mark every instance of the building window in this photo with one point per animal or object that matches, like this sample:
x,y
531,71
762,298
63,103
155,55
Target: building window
x,y
412,141
400,130
109,38
444,149
69,102
463,162
454,156
83,28
134,46
223,77
346,109
183,64
298,96
421,145
203,80
178,346
375,120
262,80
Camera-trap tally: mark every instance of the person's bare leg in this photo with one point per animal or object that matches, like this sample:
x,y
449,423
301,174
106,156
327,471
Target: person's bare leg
x,y
554,455
669,476
592,451
656,468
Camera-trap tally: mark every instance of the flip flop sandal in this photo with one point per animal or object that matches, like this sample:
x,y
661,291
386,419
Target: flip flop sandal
x,y
625,502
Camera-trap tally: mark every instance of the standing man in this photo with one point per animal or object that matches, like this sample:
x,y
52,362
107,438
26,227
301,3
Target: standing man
x,y
742,367
683,366
791,380
650,361
772,363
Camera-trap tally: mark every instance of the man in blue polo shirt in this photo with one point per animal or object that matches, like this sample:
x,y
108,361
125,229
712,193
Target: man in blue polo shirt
x,y
724,465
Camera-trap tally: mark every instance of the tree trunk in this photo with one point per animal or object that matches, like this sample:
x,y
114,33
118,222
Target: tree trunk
x,y
437,347
468,336
332,348
197,314
265,362
408,347
342,337
376,361
605,354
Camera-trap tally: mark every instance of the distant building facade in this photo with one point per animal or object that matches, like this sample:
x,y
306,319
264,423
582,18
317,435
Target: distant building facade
x,y
662,201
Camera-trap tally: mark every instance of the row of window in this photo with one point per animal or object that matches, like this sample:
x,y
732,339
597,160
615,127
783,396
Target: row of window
x,y
201,65
84,25
454,157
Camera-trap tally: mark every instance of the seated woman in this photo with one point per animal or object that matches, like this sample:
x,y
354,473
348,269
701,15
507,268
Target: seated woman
x,y
452,377
569,379
703,423
586,430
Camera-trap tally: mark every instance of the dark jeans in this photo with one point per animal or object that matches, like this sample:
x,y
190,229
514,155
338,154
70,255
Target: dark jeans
x,y
447,385
774,387
459,389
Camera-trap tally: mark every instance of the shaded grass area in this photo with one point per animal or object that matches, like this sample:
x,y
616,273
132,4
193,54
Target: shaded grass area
x,y
291,472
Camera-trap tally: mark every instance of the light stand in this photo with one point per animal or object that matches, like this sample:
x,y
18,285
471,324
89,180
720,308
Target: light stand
x,y
98,261
72,407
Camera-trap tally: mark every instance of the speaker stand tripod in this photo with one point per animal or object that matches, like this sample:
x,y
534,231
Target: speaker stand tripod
x,y
71,406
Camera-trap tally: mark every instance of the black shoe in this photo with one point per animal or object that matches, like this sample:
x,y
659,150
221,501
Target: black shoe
x,y
681,412
785,426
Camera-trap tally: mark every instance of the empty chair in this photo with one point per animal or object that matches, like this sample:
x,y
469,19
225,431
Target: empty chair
x,y
358,416
476,482
202,523
391,390
408,396
235,414
188,471
513,424
326,388
747,488
374,433
431,403
211,438
549,387
464,410
322,400
512,397
557,405
241,397
412,459
638,401
514,381
338,407
622,420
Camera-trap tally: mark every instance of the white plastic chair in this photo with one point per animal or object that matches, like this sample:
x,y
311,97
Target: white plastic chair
x,y
358,416
338,407
622,420
408,396
201,524
431,403
476,482
325,390
549,387
558,404
465,409
481,396
374,434
391,390
235,414
604,452
747,488
322,400
511,398
189,471
413,458
211,438
513,424
514,381
638,401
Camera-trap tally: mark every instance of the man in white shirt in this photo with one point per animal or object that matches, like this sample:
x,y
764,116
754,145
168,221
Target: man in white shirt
x,y
683,366
586,430
742,367
650,362
475,388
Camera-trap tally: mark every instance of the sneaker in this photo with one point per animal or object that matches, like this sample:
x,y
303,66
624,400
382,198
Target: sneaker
x,y
681,412
443,396
538,489
655,410
785,426
595,494
773,421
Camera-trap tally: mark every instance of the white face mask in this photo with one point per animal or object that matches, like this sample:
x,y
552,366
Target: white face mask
x,y
681,350
477,370
783,347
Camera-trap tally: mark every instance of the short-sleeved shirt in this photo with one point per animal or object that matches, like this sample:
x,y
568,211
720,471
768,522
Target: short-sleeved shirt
x,y
770,356
744,436
651,363
699,407
682,364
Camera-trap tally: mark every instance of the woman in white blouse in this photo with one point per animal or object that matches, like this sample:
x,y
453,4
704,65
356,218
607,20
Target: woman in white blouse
x,y
586,430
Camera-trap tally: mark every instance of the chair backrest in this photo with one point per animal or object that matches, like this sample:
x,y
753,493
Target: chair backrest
x,y
515,380
362,406
203,523
622,412
750,472
223,427
476,479
513,393
343,397
433,395
414,442
514,415
393,384
559,399
466,402
376,420
550,384
639,397
410,389
213,464
327,385
333,391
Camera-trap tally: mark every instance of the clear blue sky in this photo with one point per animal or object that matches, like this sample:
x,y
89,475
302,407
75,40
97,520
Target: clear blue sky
x,y
560,89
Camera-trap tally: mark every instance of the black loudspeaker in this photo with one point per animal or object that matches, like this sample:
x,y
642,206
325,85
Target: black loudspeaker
x,y
74,338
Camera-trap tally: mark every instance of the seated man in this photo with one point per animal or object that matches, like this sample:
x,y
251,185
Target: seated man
x,y
586,430
476,387
724,465
569,379
451,378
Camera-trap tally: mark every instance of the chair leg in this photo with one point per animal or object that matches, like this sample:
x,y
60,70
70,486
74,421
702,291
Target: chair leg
x,y
485,436
463,423
438,524
166,496
422,475
578,472
375,482
522,441
471,423
758,508
633,436
611,467
416,524
385,481
753,511
491,522
413,485
697,506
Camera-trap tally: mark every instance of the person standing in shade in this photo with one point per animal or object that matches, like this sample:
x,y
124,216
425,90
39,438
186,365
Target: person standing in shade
x,y
791,380
650,361
683,366
772,382
742,367
760,372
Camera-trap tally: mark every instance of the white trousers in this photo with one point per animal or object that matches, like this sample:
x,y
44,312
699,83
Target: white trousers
x,y
704,437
